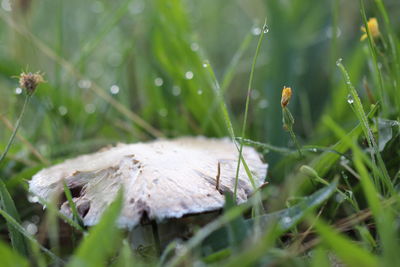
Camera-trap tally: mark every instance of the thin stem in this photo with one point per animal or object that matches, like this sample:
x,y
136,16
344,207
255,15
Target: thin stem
x,y
250,85
27,98
293,136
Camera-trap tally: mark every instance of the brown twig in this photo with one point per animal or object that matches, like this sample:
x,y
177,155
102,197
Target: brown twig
x,y
218,176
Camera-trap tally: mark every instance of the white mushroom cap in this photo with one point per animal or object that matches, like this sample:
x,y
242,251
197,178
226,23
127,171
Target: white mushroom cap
x,y
161,179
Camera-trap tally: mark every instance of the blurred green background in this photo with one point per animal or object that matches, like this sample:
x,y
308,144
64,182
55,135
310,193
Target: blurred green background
x,y
135,70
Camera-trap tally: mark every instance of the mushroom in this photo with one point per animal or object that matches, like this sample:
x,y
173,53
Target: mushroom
x,y
162,179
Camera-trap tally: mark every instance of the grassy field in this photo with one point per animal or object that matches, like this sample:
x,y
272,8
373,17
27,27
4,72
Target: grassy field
x,y
135,70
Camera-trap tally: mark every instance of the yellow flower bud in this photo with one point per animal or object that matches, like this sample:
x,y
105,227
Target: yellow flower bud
x,y
286,95
373,27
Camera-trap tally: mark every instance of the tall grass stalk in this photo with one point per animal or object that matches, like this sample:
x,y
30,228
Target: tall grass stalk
x,y
246,110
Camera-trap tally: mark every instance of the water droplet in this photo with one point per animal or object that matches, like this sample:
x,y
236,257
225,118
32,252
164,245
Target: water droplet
x,y
62,110
180,249
265,29
339,61
199,92
84,84
350,99
6,5
206,63
286,221
90,108
158,81
18,91
194,46
344,160
189,75
163,112
31,228
176,90
329,32
314,150
114,89
380,65
339,198
256,31
263,104
255,94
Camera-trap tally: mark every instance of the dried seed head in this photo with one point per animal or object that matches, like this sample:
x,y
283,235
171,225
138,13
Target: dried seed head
x,y
373,27
286,95
29,81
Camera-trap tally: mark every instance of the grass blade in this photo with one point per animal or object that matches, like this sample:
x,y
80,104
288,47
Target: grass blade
x,y
357,107
346,250
22,230
284,219
17,239
101,240
11,258
279,222
71,203
383,216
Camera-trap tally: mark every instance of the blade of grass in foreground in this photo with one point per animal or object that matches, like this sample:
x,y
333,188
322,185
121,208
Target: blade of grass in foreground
x,y
278,223
283,220
320,258
358,109
100,243
350,253
11,258
71,203
383,216
22,230
125,257
53,208
7,203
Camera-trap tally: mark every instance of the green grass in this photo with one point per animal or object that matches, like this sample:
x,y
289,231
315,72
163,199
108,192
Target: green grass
x,y
134,70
